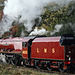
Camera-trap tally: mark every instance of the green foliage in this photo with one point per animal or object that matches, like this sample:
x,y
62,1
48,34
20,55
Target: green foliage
x,y
24,30
19,31
66,29
1,8
2,1
61,15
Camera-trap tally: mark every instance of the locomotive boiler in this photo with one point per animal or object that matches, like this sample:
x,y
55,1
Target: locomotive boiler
x,y
49,52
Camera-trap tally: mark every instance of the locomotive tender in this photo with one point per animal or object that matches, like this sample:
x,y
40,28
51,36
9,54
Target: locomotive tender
x,y
49,52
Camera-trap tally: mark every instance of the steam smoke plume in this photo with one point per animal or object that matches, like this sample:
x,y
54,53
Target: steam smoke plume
x,y
2,58
24,11
38,32
57,28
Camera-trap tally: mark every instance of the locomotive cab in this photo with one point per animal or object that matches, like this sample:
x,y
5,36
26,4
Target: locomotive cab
x,y
26,47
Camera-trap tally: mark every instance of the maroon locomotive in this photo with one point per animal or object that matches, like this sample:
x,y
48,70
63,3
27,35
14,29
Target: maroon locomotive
x,y
49,52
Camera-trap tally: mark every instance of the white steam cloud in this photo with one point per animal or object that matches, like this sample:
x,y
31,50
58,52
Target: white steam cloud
x,y
24,10
2,58
57,28
27,9
38,32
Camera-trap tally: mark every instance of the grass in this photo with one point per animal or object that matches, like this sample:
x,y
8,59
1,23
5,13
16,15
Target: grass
x,y
6,69
1,8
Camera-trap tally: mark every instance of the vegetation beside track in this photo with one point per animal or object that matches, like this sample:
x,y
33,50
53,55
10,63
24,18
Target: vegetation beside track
x,y
6,69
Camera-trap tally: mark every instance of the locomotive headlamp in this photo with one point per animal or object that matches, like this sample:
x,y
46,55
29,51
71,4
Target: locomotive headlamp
x,y
69,58
67,55
69,52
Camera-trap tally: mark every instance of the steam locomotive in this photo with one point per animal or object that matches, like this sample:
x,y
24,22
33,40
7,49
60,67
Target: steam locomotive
x,y
49,52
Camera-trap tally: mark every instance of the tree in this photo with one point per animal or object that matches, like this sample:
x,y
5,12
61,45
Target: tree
x,y
66,29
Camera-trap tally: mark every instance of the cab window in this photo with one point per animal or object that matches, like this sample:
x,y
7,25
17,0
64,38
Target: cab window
x,y
24,44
